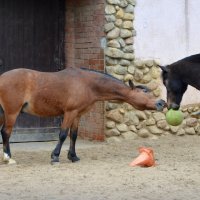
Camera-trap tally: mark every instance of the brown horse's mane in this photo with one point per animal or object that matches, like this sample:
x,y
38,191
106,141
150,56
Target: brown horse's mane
x,y
102,73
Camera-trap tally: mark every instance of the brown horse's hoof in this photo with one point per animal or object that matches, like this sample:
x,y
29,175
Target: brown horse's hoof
x,y
54,159
10,161
55,163
72,157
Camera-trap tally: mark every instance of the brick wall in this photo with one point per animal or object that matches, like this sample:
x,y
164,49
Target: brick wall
x,y
84,30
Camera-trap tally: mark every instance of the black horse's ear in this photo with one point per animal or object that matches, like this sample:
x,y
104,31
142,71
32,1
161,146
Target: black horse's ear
x,y
164,68
131,84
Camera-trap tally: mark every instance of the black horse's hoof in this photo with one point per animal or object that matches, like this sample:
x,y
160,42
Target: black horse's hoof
x,y
72,157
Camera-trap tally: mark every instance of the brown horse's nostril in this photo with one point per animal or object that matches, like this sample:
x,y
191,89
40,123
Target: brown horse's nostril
x,y
160,105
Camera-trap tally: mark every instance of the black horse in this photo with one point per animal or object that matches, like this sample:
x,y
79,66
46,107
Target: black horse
x,y
177,76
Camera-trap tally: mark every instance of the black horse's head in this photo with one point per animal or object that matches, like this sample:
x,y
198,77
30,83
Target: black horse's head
x,y
175,87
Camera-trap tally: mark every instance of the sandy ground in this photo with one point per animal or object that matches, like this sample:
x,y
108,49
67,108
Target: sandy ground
x,y
103,172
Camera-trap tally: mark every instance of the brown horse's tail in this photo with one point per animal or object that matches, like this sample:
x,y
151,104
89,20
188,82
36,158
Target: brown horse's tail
x,y
1,116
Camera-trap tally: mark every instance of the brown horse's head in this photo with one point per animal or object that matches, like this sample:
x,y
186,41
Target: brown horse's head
x,y
175,87
142,99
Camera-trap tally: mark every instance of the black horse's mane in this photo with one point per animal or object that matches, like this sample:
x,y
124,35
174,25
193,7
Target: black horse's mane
x,y
193,58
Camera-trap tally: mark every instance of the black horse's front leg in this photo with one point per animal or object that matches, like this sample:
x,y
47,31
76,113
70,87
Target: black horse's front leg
x,y
72,152
56,152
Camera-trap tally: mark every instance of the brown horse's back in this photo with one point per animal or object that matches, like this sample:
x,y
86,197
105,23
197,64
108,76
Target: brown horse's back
x,y
43,93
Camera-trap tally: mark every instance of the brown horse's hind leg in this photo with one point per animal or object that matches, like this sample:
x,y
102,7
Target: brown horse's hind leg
x,y
66,124
6,132
73,136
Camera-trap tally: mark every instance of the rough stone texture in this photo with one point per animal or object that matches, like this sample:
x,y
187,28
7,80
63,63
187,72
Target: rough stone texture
x,y
115,2
128,56
131,118
114,44
190,131
191,122
128,49
129,135
155,73
150,121
120,70
110,18
155,130
132,2
124,62
127,24
111,106
128,16
131,69
139,64
129,40
132,128
110,9
115,115
162,124
113,52
122,127
111,61
114,33
144,133
181,132
158,116
112,132
123,3
110,124
140,114
129,9
109,26
128,77
118,22
125,33
122,43
138,75
174,129
120,13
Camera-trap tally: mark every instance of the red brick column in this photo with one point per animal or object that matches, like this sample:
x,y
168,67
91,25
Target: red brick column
x,y
84,30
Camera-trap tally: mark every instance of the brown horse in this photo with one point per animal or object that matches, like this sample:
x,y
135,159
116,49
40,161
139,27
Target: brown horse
x,y
70,93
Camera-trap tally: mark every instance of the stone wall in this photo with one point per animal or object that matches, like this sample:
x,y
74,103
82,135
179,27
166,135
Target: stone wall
x,y
121,118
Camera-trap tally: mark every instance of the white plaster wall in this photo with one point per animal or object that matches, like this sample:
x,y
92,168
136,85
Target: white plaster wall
x,y
168,31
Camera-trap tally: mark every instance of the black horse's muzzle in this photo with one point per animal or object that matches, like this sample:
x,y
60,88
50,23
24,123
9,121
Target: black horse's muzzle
x,y
160,105
174,106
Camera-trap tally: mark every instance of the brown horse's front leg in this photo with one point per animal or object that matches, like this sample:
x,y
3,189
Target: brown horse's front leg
x,y
72,152
6,147
56,152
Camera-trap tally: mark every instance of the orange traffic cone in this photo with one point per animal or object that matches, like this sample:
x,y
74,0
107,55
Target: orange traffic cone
x,y
145,158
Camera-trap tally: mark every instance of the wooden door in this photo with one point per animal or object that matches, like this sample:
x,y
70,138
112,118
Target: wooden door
x,y
32,36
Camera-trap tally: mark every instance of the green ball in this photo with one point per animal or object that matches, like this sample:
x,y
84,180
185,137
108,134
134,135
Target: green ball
x,y
174,117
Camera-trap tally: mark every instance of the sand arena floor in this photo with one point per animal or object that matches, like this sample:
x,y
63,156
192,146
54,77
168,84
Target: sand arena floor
x,y
103,172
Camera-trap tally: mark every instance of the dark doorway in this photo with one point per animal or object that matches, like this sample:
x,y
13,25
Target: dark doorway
x,y
32,36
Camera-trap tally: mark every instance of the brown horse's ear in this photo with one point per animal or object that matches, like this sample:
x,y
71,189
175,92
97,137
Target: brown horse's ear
x,y
164,68
131,84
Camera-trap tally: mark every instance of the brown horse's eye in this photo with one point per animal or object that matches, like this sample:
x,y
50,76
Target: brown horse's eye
x,y
145,90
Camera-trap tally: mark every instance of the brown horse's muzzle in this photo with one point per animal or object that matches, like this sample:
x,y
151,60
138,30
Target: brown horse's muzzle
x,y
160,105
